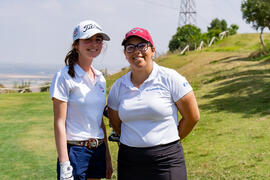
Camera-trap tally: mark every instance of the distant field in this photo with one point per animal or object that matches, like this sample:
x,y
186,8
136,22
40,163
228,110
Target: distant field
x,y
231,141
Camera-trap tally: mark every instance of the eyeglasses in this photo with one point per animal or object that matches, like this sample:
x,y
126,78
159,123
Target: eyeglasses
x,y
130,48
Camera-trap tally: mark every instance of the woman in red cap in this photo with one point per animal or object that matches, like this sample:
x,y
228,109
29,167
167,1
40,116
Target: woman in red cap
x,y
143,110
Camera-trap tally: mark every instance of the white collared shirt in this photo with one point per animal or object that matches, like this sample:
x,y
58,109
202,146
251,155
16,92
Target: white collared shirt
x,y
85,102
149,114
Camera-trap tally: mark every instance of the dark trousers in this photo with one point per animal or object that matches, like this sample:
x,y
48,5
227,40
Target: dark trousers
x,y
162,162
86,163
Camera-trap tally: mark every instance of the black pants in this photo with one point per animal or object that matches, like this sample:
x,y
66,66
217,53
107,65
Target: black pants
x,y
162,162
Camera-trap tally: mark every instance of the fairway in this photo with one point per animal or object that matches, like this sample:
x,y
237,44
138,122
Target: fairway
x,y
26,137
231,140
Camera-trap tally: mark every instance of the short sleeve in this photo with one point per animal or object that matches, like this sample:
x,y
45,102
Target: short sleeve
x,y
113,98
179,86
59,88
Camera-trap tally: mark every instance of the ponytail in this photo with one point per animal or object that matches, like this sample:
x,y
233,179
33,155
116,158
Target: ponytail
x,y
71,59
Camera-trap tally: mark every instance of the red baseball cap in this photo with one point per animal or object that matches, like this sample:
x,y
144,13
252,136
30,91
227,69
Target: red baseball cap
x,y
139,32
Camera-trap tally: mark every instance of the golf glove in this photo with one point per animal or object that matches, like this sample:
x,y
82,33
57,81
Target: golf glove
x,y
114,137
66,171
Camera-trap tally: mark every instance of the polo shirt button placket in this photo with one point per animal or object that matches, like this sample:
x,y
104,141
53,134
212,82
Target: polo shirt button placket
x,y
88,80
139,94
141,90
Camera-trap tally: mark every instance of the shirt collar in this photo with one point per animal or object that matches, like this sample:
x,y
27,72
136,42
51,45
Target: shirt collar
x,y
97,72
153,74
80,72
127,78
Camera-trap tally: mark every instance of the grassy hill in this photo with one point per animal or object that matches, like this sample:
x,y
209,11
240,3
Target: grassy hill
x,y
231,141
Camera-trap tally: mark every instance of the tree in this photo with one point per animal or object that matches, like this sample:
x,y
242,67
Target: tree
x,y
257,12
185,35
213,32
217,24
233,29
192,36
216,27
223,25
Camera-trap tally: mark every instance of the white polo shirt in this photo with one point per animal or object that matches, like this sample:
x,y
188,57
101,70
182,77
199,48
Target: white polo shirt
x,y
85,102
149,115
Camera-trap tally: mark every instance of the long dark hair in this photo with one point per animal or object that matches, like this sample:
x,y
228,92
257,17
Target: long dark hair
x,y
72,58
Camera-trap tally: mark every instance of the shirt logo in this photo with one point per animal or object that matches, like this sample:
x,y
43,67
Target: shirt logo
x,y
153,89
101,88
185,84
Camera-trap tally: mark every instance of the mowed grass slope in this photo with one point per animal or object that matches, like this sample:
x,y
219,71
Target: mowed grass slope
x,y
231,141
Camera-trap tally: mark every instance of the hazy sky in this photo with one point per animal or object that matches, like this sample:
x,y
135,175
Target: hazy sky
x,y
40,31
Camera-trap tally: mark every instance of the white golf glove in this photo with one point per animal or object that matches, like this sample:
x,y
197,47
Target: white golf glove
x,y
66,171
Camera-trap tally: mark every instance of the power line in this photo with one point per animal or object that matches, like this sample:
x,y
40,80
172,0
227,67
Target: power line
x,y
187,11
159,4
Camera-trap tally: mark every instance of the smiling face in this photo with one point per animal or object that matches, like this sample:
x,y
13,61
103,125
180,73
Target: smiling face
x,y
142,56
90,48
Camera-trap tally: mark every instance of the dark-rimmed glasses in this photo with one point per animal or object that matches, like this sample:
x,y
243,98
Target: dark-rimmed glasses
x,y
130,48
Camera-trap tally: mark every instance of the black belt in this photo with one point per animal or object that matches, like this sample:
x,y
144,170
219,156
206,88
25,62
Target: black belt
x,y
90,143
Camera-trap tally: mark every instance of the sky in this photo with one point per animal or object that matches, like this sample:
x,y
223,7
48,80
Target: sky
x,y
39,32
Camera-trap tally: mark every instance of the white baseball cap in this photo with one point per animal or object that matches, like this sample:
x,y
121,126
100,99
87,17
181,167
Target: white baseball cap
x,y
87,29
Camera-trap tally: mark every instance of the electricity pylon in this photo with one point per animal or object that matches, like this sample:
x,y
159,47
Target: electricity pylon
x,y
187,14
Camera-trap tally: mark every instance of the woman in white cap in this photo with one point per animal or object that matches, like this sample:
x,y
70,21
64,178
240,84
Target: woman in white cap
x,y
78,92
143,107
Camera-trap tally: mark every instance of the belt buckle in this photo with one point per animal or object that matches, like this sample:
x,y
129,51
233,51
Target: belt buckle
x,y
92,143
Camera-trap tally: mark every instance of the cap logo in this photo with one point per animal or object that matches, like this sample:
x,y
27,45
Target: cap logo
x,y
135,30
75,33
91,26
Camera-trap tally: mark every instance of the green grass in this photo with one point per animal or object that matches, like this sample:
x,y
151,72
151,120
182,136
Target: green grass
x,y
231,140
239,43
26,137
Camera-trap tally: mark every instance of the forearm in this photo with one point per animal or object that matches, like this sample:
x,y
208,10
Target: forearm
x,y
105,135
185,127
117,128
61,142
189,111
115,121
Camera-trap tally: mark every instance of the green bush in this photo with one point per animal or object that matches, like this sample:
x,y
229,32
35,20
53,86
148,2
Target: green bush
x,y
186,35
192,36
233,29
218,25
